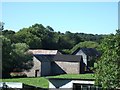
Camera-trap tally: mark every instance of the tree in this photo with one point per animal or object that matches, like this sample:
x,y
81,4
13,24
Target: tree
x,y
50,40
50,28
14,57
108,68
19,54
65,42
1,26
6,50
85,44
26,36
9,34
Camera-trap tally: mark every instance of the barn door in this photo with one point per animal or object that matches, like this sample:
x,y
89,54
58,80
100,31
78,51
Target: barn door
x,y
36,73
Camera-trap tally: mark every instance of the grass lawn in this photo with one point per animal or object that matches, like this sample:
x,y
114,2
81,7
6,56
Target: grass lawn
x,y
78,76
43,82
39,81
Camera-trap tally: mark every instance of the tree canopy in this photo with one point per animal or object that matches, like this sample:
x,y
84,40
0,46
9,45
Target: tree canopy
x,y
108,68
37,36
85,44
14,57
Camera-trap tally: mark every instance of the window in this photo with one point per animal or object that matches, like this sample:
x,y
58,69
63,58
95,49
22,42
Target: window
x,y
77,86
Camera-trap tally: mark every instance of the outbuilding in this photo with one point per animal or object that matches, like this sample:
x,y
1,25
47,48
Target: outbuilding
x,y
52,62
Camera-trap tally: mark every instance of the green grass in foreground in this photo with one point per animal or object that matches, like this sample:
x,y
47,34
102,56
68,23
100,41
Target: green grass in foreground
x,y
78,76
43,82
39,81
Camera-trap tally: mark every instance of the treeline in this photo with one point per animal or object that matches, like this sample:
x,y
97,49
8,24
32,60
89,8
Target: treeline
x,y
39,37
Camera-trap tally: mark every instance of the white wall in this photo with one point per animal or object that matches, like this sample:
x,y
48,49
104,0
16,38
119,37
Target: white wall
x,y
12,84
70,83
80,52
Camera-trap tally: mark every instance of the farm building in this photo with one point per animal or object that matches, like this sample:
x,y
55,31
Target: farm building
x,y
37,64
52,62
89,56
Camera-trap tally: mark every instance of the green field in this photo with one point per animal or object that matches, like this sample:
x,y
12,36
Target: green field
x,y
39,81
43,82
77,76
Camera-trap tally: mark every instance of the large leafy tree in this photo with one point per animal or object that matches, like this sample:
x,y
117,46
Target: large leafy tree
x,y
19,54
6,50
108,68
14,57
30,39
9,34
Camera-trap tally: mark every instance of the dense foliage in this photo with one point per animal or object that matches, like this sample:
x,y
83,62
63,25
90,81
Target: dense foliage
x,y
85,44
108,69
37,36
14,57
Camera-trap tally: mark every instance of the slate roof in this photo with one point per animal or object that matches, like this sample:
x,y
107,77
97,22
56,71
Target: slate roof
x,y
88,51
54,55
63,58
43,52
44,58
68,58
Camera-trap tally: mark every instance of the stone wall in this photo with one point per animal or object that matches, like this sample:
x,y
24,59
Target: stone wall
x,y
35,69
61,67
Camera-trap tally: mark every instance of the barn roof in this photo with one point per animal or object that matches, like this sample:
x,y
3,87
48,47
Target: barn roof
x,y
63,58
44,52
88,51
68,58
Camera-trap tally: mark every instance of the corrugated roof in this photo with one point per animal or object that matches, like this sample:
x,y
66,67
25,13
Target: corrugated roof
x,y
44,52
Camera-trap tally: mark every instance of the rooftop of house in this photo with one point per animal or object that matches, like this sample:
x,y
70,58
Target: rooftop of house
x,y
88,51
44,52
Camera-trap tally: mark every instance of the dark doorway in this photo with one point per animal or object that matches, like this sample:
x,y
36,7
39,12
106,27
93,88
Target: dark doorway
x,y
36,73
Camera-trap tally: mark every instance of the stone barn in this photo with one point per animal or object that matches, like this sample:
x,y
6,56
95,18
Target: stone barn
x,y
52,62
89,56
39,62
